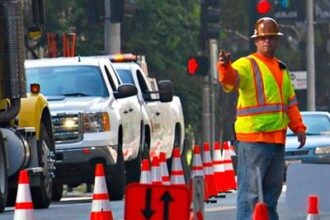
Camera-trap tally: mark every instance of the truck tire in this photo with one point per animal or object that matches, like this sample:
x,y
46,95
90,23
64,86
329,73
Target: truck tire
x,y
57,191
42,194
133,169
116,182
3,176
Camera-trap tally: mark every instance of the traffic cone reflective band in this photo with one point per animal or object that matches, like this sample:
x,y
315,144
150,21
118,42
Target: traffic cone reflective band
x,y
197,165
145,177
177,174
208,171
101,205
260,212
197,170
230,179
219,168
313,208
163,169
155,171
24,205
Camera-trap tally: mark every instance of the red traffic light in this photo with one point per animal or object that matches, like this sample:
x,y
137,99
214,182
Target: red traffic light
x,y
192,65
263,6
198,65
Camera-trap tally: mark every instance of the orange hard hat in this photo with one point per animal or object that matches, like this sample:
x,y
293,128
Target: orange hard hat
x,y
266,27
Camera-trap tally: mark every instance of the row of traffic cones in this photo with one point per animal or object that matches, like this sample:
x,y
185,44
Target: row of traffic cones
x,y
101,209
158,174
218,173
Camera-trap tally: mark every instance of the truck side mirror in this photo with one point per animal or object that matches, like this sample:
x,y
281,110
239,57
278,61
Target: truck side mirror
x,y
125,90
166,90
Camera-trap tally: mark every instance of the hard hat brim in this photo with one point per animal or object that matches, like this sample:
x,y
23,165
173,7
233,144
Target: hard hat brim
x,y
263,35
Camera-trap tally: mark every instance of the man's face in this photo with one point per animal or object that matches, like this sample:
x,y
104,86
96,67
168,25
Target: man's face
x,y
266,45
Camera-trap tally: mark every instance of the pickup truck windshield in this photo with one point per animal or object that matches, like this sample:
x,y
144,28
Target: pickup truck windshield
x,y
68,80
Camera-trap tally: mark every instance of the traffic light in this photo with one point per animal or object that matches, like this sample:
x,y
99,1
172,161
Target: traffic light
x,y
210,19
198,65
117,11
284,3
263,6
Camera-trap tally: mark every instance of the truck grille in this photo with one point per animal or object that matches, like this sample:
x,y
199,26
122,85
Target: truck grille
x,y
67,128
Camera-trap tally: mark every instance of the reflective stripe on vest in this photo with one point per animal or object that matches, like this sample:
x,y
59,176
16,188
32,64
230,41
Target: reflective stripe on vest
x,y
262,109
258,81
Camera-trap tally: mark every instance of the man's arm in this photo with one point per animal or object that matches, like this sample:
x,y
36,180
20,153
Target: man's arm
x,y
228,77
296,124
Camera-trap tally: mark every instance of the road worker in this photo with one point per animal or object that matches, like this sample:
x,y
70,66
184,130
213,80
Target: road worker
x,y
266,106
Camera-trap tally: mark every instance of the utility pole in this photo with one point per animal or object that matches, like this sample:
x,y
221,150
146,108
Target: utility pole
x,y
206,110
214,82
112,42
310,57
210,28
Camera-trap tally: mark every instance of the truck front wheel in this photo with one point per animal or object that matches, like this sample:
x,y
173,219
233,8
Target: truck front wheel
x,y
3,176
42,194
57,191
116,182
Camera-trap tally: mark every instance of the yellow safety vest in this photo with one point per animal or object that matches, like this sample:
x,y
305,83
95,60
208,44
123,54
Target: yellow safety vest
x,y
262,106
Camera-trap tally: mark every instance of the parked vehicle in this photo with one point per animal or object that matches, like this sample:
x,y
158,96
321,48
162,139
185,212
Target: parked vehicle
x,y
96,119
317,148
163,119
26,134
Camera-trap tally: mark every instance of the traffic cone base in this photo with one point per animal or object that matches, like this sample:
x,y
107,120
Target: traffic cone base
x,y
145,177
219,168
156,178
100,206
230,179
163,169
177,174
313,209
209,172
23,205
260,212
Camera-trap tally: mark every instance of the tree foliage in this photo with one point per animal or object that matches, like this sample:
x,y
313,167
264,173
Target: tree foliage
x,y
167,32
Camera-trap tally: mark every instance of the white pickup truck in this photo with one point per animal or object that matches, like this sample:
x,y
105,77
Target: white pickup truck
x,y
96,119
163,120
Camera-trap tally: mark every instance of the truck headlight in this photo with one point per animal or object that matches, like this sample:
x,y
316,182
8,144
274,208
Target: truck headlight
x,y
96,122
322,150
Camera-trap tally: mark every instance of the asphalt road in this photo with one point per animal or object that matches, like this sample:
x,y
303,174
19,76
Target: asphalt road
x,y
78,207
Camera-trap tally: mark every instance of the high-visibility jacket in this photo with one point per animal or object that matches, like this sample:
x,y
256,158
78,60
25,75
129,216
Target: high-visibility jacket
x,y
235,76
262,105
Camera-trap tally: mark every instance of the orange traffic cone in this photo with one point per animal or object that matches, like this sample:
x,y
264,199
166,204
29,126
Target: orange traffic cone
x,y
163,169
101,205
230,179
260,212
208,171
219,168
197,170
313,208
145,177
155,171
24,205
177,174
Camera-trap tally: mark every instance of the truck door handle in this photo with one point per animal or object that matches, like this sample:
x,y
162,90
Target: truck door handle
x,y
129,110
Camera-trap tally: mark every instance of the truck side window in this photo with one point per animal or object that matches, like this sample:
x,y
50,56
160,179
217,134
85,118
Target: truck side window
x,y
143,85
112,83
